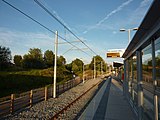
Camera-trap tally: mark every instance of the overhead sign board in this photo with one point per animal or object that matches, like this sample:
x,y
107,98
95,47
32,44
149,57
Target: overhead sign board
x,y
115,53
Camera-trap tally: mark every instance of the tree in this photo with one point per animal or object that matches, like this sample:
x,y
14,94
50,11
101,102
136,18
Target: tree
x,y
98,60
69,67
26,62
36,53
77,66
33,59
61,61
49,58
18,60
5,57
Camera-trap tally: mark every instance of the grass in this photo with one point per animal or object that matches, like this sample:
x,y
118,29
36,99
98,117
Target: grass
x,y
16,82
22,81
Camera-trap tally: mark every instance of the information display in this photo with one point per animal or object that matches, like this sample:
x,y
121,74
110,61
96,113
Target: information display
x,y
115,53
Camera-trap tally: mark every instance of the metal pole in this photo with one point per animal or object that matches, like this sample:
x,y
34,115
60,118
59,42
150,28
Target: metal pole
x,y
128,79
140,88
83,73
106,68
132,90
94,67
124,81
129,35
101,67
154,81
55,64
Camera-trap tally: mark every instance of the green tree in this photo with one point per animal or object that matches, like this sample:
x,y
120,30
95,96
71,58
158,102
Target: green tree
x,y
5,57
77,66
33,59
27,61
98,60
61,61
36,53
69,67
18,60
49,58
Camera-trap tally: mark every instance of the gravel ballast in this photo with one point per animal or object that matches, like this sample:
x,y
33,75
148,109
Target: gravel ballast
x,y
47,109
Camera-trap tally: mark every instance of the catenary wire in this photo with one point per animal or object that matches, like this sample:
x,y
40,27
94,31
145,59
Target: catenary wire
x,y
44,8
42,25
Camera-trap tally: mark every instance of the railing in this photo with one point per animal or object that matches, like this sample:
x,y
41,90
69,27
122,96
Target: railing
x,y
18,101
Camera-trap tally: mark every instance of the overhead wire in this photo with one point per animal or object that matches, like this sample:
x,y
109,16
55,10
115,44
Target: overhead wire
x,y
42,25
45,9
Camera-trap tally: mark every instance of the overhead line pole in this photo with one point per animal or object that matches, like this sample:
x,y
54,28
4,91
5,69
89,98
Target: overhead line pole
x,y
94,67
83,73
55,64
106,67
101,68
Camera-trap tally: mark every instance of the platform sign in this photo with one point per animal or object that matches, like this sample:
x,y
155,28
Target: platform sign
x,y
115,53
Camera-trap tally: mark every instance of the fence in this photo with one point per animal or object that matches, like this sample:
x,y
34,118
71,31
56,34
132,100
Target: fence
x,y
17,102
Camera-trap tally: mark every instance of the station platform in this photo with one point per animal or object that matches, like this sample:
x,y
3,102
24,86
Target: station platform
x,y
109,104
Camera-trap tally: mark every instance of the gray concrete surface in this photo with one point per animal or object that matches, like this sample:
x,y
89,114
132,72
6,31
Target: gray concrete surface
x,y
109,104
89,112
117,107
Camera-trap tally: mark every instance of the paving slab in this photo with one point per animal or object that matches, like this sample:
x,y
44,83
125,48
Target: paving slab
x,y
91,109
109,104
117,107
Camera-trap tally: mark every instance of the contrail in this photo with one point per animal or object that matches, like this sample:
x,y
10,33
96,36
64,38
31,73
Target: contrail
x,y
119,8
55,14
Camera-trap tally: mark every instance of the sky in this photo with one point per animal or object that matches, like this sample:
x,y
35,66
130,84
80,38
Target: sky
x,y
96,22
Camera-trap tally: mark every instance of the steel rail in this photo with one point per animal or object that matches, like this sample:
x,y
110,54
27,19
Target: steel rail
x,y
55,117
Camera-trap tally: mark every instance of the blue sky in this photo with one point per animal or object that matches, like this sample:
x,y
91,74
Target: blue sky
x,y
96,22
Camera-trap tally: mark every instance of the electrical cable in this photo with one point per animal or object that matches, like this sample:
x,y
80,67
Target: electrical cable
x,y
44,8
42,25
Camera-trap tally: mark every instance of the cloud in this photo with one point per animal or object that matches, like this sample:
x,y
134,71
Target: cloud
x,y
62,20
114,32
85,31
114,11
55,14
145,3
140,12
119,8
100,27
20,42
44,3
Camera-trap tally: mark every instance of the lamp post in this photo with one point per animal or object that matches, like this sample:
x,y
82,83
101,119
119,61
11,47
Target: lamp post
x,y
129,32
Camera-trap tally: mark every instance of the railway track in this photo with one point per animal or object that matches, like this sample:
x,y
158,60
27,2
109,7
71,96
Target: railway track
x,y
73,108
